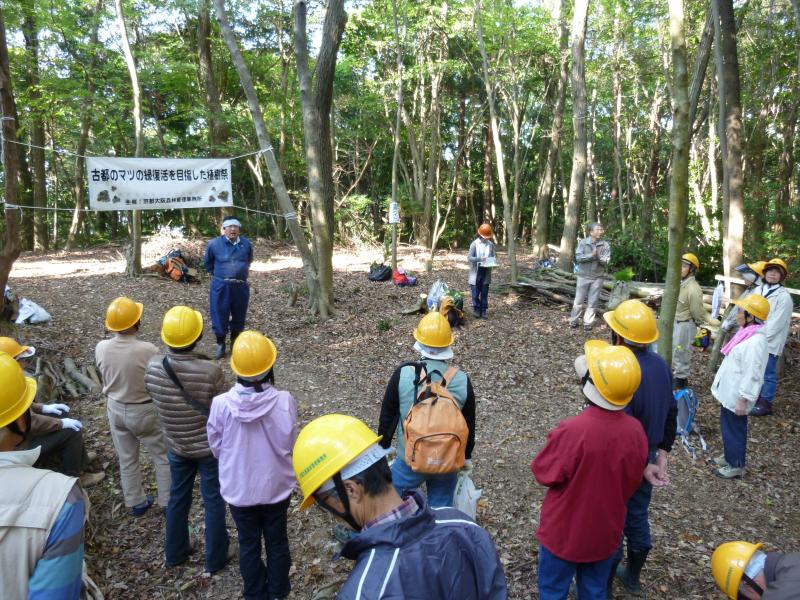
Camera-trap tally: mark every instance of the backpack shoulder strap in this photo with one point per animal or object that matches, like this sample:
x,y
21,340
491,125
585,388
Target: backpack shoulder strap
x,y
448,375
203,410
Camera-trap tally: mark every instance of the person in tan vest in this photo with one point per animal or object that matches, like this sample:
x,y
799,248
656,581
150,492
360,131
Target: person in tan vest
x,y
132,417
41,512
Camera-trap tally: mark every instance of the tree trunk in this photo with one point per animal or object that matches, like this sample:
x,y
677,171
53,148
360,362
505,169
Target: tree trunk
x,y
134,255
316,105
578,177
616,120
269,155
545,191
651,189
701,66
508,213
679,185
31,34
785,171
397,122
488,179
11,248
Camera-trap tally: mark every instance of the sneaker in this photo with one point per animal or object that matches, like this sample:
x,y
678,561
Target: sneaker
x,y
89,479
761,409
719,461
220,351
140,509
729,472
587,327
573,324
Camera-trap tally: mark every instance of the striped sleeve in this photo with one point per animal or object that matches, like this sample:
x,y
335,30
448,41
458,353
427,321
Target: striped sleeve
x,y
58,572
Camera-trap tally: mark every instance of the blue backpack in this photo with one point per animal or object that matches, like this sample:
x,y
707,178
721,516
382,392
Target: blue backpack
x,y
687,410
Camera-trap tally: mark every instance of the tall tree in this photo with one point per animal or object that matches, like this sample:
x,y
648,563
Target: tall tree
x,y
679,183
134,255
508,212
316,96
10,250
546,182
579,113
397,120
30,31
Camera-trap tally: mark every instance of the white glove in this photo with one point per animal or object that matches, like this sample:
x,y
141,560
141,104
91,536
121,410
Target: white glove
x,y
55,409
71,424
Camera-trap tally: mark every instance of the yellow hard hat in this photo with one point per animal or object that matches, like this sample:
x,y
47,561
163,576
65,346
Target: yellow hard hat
x,y
777,262
614,371
253,354
728,564
758,267
634,321
691,259
326,446
756,305
123,313
12,347
434,330
181,327
17,392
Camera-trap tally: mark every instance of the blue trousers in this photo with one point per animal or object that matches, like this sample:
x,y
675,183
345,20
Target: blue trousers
x,y
228,306
770,385
637,522
177,546
267,522
440,488
734,436
555,577
480,292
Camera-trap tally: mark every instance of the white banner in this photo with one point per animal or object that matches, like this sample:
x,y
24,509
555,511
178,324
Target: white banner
x,y
158,183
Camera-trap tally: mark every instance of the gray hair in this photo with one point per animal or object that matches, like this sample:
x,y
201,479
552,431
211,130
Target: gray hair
x,y
593,226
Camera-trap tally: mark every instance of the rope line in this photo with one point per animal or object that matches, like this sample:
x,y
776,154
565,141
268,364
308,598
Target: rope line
x,y
288,216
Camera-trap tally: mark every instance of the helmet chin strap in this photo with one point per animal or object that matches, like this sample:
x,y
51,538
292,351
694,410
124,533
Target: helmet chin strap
x,y
757,588
345,515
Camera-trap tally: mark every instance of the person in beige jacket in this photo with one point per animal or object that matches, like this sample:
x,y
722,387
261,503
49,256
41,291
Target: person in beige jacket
x,y
182,384
689,314
132,417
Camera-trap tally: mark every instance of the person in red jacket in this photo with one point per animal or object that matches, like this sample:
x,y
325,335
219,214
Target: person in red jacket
x,y
592,464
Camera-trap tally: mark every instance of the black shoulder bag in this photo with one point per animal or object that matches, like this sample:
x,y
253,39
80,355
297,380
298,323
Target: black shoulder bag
x,y
189,400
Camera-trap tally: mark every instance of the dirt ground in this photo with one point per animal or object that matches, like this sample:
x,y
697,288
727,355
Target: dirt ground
x,y
520,361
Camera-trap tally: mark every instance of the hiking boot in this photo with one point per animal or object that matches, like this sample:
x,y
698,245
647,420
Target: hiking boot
x,y
89,479
220,351
574,324
476,314
719,461
140,509
629,575
587,327
761,409
729,472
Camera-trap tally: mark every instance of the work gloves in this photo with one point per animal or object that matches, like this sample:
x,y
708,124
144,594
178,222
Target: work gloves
x,y
55,410
71,424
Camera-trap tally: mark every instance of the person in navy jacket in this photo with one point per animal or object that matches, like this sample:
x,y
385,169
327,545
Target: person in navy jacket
x,y
403,548
228,259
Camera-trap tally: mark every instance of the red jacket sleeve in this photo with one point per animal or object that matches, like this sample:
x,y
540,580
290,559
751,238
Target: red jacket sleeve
x,y
555,463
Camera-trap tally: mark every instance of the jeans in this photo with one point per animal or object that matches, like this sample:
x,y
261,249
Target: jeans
x,y
734,436
228,305
67,444
177,547
770,385
440,488
267,521
555,577
637,523
586,289
480,292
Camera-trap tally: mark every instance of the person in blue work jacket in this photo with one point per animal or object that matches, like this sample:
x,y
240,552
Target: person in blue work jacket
x,y
228,259
633,324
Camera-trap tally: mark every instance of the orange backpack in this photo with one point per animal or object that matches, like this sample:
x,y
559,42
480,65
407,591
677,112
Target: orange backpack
x,y
435,431
176,268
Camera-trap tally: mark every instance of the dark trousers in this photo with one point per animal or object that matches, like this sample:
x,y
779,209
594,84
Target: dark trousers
x,y
177,546
555,577
480,292
66,445
228,305
734,436
267,522
770,385
637,522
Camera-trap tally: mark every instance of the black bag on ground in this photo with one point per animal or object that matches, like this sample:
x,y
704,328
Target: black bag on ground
x,y
379,272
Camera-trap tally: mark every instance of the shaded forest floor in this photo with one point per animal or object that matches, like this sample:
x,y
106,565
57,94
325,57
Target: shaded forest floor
x,y
520,361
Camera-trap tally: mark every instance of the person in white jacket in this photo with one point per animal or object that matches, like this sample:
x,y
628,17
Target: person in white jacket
x,y
738,381
776,330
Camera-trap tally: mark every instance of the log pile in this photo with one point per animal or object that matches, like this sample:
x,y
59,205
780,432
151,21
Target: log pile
x,y
557,287
65,380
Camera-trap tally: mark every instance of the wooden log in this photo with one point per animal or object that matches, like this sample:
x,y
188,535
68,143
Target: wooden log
x,y
94,375
71,389
73,371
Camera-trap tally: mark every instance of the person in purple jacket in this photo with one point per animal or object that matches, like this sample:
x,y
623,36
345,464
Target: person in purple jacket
x,y
251,430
